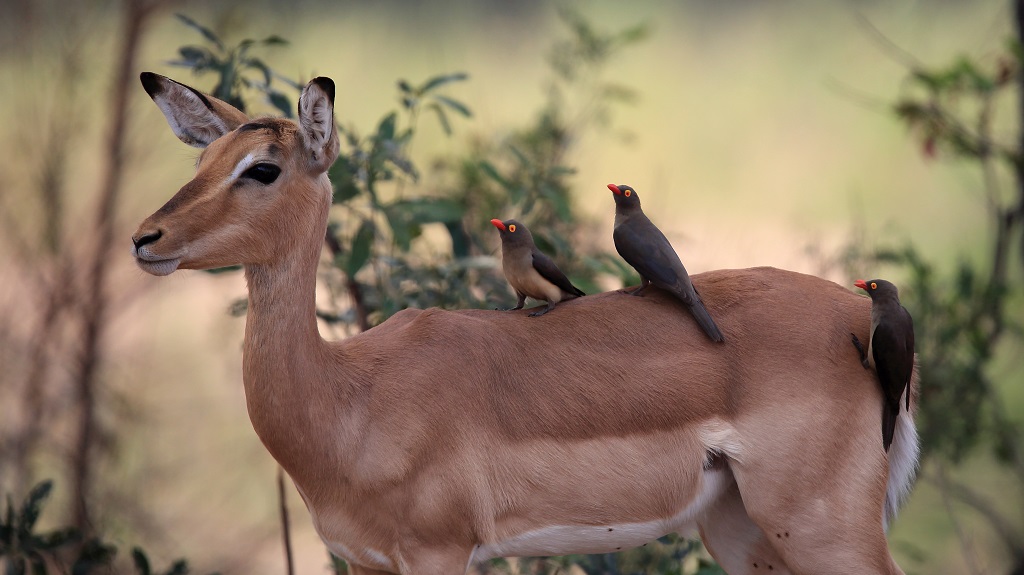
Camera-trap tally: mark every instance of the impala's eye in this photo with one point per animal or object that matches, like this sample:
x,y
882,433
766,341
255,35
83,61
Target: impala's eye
x,y
263,173
874,285
627,193
511,227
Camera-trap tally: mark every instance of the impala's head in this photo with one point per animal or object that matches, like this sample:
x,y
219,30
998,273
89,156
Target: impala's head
x,y
625,196
878,289
260,187
513,233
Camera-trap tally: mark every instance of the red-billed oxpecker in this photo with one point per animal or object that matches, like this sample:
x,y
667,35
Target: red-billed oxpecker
x,y
530,272
644,247
890,350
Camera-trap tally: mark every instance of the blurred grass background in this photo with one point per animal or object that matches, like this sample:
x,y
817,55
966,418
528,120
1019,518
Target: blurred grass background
x,y
762,134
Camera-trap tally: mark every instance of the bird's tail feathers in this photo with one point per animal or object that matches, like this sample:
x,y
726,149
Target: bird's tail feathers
x,y
889,414
700,313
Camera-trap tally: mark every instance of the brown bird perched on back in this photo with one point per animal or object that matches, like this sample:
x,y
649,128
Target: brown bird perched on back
x,y
529,271
644,247
890,350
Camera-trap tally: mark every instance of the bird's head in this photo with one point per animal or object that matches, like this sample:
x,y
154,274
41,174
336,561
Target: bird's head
x,y
878,288
625,196
513,233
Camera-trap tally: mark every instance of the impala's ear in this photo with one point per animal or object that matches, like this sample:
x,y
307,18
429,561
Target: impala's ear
x,y
316,116
196,118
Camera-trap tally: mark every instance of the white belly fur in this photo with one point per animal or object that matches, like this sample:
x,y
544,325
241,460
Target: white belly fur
x,y
565,539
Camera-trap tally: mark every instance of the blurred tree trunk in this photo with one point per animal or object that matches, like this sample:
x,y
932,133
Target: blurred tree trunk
x,y
95,299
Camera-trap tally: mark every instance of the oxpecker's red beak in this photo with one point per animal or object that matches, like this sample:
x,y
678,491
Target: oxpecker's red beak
x,y
497,223
861,284
615,189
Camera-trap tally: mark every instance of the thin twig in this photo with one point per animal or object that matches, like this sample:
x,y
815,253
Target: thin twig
x,y
887,46
285,528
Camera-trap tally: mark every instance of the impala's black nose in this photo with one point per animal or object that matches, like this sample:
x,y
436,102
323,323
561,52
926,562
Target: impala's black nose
x,y
147,238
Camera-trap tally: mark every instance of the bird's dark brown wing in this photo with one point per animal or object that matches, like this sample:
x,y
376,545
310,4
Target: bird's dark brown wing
x,y
549,271
893,361
644,247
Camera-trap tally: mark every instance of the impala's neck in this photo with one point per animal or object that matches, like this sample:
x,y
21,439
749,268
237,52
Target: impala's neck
x,y
284,357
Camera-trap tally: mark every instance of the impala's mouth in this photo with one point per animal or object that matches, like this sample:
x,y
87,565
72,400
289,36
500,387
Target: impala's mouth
x,y
154,264
158,267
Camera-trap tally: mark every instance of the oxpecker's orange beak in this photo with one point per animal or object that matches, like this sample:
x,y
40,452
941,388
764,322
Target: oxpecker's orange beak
x,y
497,223
615,189
861,284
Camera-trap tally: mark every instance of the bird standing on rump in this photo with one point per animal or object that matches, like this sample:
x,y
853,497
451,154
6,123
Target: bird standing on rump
x,y
890,350
644,247
529,271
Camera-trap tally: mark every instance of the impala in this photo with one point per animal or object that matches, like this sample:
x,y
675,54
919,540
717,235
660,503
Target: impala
x,y
441,439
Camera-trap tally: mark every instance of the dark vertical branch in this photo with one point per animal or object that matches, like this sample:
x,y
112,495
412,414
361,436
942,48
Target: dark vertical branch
x,y
94,299
285,528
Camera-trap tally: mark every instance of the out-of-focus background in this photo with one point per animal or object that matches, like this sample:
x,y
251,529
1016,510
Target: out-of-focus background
x,y
842,139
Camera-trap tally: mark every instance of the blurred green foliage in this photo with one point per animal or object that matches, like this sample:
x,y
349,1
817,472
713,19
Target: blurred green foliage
x,y
962,315
237,71
64,550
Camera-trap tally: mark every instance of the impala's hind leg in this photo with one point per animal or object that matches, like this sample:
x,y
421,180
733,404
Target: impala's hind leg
x,y
736,543
820,518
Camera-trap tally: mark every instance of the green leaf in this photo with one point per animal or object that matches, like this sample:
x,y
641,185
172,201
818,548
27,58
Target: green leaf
x,y
461,240
341,176
274,40
520,156
442,118
180,567
454,105
33,505
259,65
281,102
206,32
194,54
360,252
492,172
437,81
141,562
386,128
56,539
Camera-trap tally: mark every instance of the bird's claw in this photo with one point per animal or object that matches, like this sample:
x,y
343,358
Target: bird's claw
x,y
860,349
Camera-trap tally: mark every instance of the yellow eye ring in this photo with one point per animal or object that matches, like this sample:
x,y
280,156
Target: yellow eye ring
x,y
874,285
627,193
512,228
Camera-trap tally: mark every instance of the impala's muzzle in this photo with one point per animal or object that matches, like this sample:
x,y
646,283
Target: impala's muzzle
x,y
147,260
